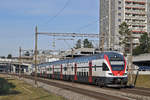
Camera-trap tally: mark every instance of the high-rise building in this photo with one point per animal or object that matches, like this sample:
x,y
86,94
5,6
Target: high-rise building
x,y
136,13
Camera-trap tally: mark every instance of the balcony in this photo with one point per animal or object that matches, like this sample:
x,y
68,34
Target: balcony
x,y
135,2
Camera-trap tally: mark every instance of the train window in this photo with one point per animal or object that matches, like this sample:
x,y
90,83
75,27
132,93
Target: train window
x,y
127,69
65,68
105,67
95,67
79,73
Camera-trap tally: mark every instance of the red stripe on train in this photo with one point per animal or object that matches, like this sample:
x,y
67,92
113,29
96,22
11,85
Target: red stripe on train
x,y
90,71
61,75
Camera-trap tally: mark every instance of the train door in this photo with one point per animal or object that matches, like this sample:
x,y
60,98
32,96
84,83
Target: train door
x,y
61,74
65,71
69,71
53,76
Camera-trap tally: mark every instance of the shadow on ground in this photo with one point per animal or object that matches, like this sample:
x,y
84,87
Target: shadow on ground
x,y
6,88
42,97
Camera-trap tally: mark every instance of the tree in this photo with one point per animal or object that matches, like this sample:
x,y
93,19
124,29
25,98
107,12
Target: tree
x,y
9,56
27,53
137,50
125,33
144,46
87,44
3,57
145,43
78,44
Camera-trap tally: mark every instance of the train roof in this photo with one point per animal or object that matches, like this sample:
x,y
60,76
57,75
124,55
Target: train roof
x,y
85,58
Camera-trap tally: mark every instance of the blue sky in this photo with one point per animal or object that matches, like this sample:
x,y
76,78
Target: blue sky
x,y
18,19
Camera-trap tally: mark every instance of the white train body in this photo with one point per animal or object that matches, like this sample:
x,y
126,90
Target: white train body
x,y
104,69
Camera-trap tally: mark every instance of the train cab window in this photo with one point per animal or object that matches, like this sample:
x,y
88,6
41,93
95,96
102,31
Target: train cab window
x,y
105,67
127,69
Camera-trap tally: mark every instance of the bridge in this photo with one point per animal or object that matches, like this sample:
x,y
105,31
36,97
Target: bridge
x,y
13,65
142,58
143,62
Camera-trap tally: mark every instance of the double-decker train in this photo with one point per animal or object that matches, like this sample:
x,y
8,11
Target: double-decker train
x,y
103,69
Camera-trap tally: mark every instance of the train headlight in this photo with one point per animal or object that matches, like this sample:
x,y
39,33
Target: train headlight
x,y
125,74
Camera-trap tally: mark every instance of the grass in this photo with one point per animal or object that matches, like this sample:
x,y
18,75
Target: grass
x,y
24,91
143,81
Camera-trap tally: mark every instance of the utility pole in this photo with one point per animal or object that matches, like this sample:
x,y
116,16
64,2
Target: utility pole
x,y
131,48
72,52
35,54
100,26
101,33
109,34
19,62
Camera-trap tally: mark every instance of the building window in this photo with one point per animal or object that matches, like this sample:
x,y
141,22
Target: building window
x,y
119,14
119,8
119,2
119,20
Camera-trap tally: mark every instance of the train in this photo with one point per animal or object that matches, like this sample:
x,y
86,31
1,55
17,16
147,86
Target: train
x,y
102,69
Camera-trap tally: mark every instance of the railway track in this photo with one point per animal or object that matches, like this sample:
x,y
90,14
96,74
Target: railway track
x,y
94,94
86,92
136,90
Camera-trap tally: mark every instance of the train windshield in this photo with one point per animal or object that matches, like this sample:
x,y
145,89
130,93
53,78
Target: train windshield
x,y
117,65
117,62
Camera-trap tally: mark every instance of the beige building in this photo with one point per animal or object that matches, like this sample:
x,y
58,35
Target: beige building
x,y
113,12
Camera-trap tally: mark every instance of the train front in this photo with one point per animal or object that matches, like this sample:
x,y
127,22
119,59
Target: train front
x,y
117,73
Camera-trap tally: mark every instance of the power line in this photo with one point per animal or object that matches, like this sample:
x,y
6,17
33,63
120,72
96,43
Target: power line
x,y
87,25
59,12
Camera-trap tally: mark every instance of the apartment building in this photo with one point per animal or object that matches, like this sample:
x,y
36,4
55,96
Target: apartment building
x,y
113,12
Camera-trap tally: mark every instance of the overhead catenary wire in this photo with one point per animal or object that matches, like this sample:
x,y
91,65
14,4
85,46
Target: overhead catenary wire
x,y
59,12
87,25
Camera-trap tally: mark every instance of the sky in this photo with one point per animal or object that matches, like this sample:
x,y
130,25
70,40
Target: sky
x,y
18,19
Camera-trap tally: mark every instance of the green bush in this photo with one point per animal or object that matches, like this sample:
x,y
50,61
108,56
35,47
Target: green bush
x,y
4,86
